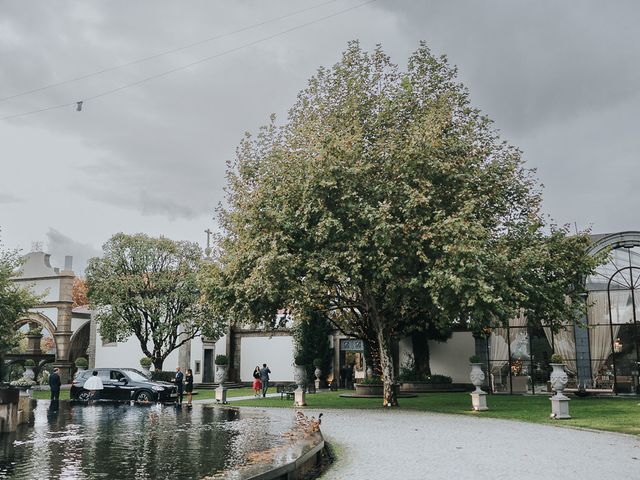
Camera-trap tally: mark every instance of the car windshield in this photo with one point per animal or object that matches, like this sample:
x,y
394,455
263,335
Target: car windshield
x,y
136,376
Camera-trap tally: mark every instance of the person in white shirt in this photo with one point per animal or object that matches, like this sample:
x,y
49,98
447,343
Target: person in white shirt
x,y
94,385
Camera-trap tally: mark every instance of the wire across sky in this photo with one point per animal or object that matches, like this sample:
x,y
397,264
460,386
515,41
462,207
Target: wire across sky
x,y
181,67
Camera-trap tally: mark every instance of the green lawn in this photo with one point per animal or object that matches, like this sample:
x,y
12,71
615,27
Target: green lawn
x,y
615,414
46,395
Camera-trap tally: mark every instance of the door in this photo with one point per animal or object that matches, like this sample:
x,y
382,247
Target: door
x,y
121,386
207,366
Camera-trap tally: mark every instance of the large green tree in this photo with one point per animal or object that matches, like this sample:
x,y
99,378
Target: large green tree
x,y
14,302
390,205
147,287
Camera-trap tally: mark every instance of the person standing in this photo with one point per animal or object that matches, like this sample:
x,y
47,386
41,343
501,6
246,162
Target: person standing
x,y
179,383
188,385
257,384
94,385
54,384
264,378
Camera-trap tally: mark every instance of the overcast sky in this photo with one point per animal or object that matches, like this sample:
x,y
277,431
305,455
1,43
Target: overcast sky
x,y
560,80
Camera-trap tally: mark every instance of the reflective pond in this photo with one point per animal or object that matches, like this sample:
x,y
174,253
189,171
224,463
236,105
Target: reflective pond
x,y
77,441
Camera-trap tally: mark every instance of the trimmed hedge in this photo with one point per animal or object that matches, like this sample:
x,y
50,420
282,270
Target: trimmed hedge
x,y
163,376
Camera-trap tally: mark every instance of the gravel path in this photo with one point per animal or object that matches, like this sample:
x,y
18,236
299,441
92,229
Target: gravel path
x,y
416,445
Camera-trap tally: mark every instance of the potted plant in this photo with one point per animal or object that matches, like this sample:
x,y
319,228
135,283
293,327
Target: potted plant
x,y
558,380
300,371
317,362
222,367
28,367
81,363
477,375
478,396
558,376
372,387
145,363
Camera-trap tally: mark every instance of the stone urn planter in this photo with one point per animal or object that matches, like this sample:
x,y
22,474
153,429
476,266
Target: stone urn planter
x,y
28,372
299,375
221,373
558,378
478,396
559,402
318,373
477,376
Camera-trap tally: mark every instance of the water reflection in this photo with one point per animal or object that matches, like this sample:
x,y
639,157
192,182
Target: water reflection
x,y
74,441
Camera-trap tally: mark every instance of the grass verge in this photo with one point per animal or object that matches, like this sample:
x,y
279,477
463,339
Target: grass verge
x,y
614,414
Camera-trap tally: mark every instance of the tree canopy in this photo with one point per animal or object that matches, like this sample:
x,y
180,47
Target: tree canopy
x,y
147,287
390,205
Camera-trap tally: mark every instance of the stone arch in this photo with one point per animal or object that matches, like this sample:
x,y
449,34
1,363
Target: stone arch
x,y
39,318
79,342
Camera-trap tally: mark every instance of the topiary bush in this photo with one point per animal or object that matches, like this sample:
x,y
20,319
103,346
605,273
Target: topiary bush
x,y
438,378
162,376
474,359
29,363
81,362
556,358
222,360
146,362
371,381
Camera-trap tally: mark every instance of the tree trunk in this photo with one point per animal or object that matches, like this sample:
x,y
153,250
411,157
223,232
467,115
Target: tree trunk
x,y
157,364
420,344
390,398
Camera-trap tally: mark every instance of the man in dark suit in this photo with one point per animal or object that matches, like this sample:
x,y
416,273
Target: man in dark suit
x,y
264,378
54,384
179,381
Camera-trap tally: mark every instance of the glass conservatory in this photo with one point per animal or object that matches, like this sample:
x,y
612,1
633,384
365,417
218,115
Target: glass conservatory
x,y
601,351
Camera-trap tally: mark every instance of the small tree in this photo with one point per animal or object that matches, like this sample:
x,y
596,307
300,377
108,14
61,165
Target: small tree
x,y
14,302
146,287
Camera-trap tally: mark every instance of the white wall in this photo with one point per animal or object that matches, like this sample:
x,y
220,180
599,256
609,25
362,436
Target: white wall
x,y
127,355
276,352
196,355
452,357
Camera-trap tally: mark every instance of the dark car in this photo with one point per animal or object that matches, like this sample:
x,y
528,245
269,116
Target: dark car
x,y
124,384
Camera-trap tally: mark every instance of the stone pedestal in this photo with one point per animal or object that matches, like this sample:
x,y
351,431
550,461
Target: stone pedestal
x,y
33,343
479,400
8,410
299,397
560,407
221,394
24,407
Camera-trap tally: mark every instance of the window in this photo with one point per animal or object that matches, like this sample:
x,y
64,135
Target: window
x,y
197,369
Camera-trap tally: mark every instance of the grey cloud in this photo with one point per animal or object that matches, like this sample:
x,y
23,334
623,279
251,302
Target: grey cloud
x,y
559,80
60,245
9,198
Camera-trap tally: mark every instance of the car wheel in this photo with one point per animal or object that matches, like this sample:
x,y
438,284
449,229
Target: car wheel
x,y
84,396
144,396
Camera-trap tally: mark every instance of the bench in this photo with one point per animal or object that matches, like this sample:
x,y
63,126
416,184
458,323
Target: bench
x,y
285,390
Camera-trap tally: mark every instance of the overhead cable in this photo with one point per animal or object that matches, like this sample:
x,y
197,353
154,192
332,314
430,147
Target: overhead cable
x,y
161,54
191,64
